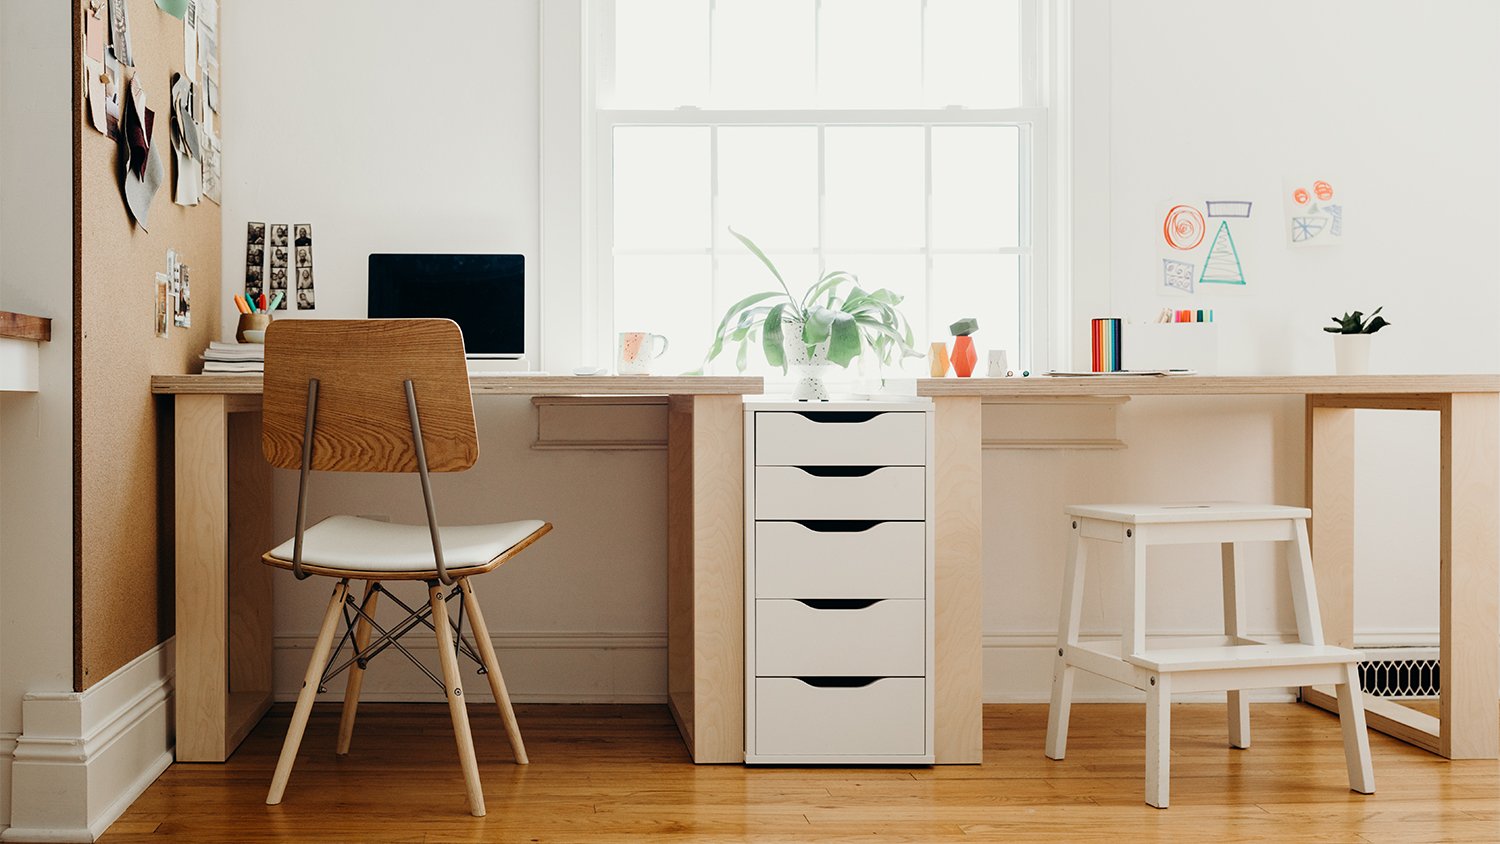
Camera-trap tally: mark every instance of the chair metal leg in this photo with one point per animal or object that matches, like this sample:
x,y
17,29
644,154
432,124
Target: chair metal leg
x,y
309,692
356,671
454,691
492,672
1356,738
1159,741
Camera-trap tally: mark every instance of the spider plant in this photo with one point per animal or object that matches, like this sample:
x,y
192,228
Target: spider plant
x,y
835,311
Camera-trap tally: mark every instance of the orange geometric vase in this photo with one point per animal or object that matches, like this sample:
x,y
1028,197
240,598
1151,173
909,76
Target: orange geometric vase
x,y
964,357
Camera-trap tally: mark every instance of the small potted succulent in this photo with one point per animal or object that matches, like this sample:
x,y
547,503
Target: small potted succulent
x,y
830,324
1351,342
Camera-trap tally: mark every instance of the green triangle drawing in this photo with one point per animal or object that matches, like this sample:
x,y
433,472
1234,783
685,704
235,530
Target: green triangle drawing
x,y
1222,266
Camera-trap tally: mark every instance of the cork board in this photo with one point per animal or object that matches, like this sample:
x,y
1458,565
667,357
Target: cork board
x,y
123,544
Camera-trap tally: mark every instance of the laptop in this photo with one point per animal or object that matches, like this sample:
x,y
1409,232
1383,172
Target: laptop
x,y
484,294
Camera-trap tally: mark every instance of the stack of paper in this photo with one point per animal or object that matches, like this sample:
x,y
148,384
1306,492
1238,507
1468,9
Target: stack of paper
x,y
234,357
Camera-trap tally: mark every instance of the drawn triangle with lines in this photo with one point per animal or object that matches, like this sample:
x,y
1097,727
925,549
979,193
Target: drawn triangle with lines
x,y
1222,266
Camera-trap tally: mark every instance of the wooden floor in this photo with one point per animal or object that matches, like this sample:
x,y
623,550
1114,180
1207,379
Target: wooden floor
x,y
609,773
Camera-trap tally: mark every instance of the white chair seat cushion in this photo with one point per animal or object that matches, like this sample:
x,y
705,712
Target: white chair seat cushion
x,y
356,544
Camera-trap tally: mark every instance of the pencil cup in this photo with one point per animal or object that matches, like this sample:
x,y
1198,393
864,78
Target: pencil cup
x,y
252,322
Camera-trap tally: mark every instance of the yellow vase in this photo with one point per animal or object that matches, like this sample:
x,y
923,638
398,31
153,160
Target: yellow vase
x,y
937,357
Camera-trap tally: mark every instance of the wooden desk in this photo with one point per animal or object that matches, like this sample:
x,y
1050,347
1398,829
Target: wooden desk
x,y
223,683
1469,408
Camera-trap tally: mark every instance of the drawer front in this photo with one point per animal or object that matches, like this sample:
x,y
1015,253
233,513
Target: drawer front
x,y
882,639
886,717
838,438
841,560
889,493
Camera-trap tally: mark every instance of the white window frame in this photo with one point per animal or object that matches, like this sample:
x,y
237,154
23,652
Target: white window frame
x,y
577,257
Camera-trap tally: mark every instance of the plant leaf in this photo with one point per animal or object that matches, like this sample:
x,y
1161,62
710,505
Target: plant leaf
x,y
1376,324
755,250
843,345
818,324
772,337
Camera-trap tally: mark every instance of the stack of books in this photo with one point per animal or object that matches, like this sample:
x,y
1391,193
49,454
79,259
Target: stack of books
x,y
234,357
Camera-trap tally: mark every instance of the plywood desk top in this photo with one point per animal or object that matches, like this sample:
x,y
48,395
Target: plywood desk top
x,y
1208,385
506,384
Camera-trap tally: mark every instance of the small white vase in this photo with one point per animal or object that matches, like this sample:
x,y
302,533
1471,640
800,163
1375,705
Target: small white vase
x,y
1351,354
809,362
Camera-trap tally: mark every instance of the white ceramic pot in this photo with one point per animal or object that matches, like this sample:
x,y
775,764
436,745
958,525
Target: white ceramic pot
x,y
809,362
1351,354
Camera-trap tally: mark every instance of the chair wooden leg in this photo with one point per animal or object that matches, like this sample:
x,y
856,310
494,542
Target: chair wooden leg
x,y
1067,634
492,672
1159,741
1239,703
454,691
356,673
1356,738
309,692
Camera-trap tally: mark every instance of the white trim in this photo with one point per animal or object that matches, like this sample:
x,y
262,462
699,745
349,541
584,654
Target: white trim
x,y
83,757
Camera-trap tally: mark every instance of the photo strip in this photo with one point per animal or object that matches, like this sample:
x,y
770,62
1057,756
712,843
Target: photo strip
x,y
302,246
279,264
255,259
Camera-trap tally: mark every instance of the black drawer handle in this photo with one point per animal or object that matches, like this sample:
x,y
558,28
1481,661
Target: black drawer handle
x,y
840,603
835,417
838,525
838,682
839,471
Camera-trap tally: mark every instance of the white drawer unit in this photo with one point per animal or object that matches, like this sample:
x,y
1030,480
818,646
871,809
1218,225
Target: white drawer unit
x,y
838,583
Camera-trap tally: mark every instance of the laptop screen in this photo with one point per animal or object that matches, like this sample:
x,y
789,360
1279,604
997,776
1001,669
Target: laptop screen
x,y
484,294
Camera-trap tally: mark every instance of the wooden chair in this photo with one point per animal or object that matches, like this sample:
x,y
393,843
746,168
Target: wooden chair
x,y
384,396
1232,662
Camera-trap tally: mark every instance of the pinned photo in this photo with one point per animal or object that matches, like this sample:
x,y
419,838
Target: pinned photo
x,y
255,258
163,304
304,234
278,234
278,256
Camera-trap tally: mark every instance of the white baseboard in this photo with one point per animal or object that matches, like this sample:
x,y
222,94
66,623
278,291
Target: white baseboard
x,y
83,757
630,667
539,667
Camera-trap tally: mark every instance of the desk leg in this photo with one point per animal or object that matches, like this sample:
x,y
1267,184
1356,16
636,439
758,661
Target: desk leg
x,y
202,516
223,677
706,574
958,728
1470,574
1330,495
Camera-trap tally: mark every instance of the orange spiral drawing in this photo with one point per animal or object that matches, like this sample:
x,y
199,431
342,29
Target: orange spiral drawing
x,y
1184,227
1322,190
1300,196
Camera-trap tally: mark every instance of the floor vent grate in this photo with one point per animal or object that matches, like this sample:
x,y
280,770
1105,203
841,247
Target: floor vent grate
x,y
1401,673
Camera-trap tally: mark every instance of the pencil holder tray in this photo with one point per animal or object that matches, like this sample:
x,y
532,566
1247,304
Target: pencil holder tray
x,y
251,322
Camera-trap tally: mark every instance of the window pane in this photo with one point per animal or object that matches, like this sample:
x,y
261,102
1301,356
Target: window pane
x,y
661,187
768,186
985,287
973,53
668,295
975,187
874,187
763,53
870,53
661,53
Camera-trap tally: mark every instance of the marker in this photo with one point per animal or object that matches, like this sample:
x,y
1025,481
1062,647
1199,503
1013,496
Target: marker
x,y
239,304
275,300
250,300
263,302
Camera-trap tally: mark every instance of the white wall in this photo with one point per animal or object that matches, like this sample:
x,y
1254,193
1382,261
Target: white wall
x,y
1170,97
36,430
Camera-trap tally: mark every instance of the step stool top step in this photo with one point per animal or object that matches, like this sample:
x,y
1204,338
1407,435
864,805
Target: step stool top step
x,y
1242,656
1206,511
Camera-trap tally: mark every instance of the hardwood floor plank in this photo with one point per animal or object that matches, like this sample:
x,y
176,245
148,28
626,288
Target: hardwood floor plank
x,y
607,773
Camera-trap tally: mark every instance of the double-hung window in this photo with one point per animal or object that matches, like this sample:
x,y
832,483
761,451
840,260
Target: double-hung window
x,y
900,140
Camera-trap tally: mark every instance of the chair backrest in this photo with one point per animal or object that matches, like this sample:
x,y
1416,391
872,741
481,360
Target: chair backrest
x,y
363,424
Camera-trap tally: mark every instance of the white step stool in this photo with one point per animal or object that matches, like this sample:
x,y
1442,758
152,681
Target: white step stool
x,y
1228,663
